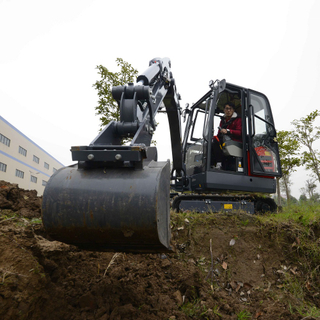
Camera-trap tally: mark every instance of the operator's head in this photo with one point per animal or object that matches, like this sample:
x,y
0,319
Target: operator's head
x,y
228,109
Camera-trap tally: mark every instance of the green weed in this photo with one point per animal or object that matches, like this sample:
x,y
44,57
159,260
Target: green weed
x,y
244,315
8,215
36,221
215,311
309,311
194,309
293,286
245,222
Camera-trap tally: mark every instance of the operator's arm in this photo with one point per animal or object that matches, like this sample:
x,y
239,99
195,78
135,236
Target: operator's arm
x,y
220,130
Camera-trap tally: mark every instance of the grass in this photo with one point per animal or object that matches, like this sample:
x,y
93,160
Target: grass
x,y
189,218
301,224
304,214
309,311
36,221
6,215
244,315
194,309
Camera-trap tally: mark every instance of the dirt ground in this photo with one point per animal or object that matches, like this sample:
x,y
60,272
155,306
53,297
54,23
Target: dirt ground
x,y
224,267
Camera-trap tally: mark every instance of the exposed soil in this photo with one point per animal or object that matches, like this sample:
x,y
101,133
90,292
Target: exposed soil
x,y
244,274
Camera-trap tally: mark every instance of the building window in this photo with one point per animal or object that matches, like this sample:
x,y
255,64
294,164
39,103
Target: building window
x,y
54,170
3,167
46,165
19,174
33,179
22,151
44,183
4,140
36,159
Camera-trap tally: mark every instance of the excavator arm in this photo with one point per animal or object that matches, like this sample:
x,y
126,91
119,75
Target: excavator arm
x,y
138,105
116,198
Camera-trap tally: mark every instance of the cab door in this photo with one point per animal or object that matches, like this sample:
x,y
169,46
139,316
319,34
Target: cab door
x,y
263,147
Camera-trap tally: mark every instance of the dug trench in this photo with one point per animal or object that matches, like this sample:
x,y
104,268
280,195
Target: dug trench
x,y
224,267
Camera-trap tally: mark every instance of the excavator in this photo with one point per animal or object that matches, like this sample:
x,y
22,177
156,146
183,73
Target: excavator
x,y
117,196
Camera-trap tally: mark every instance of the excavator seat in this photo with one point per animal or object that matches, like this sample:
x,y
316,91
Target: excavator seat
x,y
231,148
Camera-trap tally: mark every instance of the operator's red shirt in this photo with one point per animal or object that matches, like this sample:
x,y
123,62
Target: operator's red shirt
x,y
235,127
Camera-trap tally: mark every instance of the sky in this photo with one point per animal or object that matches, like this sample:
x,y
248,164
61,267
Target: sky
x,y
50,50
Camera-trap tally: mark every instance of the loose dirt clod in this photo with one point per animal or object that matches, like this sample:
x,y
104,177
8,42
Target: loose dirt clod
x,y
24,202
206,278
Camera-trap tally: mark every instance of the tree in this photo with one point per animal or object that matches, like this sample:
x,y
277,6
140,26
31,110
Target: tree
x,y
307,133
107,108
285,184
303,198
284,201
289,157
310,189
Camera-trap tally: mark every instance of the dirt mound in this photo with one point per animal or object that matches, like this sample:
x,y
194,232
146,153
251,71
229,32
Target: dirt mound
x,y
224,267
25,202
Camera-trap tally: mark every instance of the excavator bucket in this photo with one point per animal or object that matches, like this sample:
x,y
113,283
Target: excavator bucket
x,y
121,210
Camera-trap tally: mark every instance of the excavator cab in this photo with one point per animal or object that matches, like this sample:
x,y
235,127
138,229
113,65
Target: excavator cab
x,y
116,197
255,154
248,166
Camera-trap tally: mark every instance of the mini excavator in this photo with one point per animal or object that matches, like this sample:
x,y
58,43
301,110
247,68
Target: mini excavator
x,y
117,196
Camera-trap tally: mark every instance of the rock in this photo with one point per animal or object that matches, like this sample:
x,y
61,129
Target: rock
x,y
165,263
178,297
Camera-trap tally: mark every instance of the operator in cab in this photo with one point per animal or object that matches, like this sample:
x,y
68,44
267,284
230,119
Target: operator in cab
x,y
230,127
230,124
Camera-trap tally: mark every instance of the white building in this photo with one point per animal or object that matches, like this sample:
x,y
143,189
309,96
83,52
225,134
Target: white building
x,y
22,161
